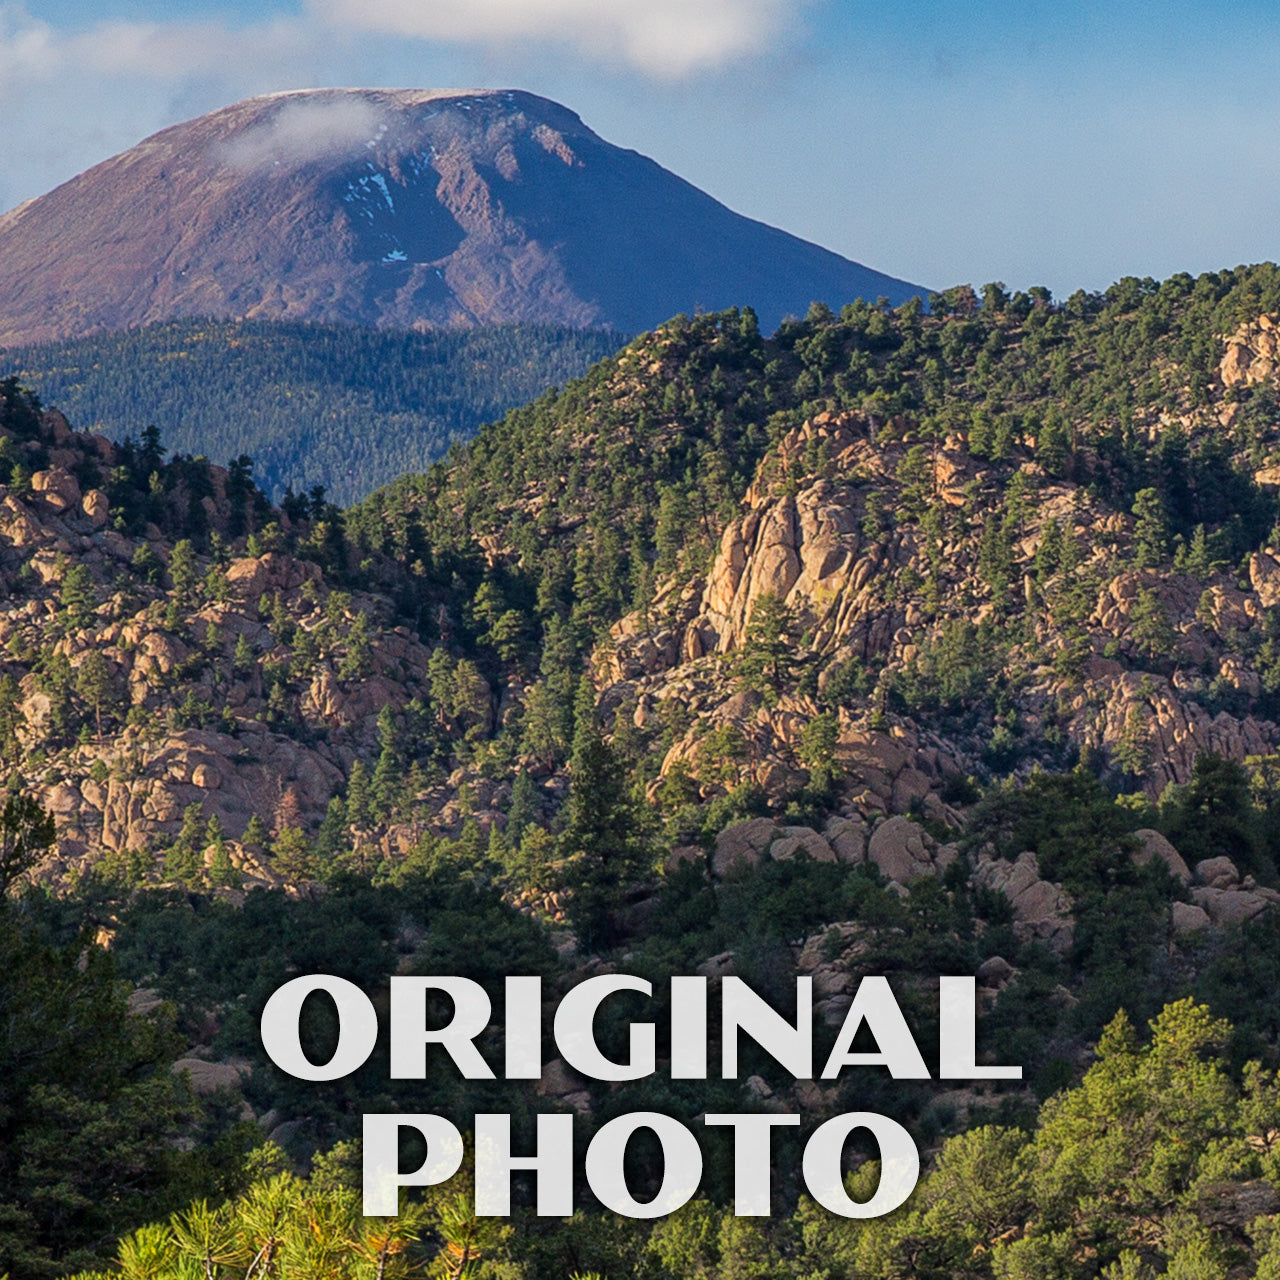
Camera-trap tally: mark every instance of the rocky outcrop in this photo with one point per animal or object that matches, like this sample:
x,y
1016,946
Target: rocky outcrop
x,y
1264,576
232,778
1041,909
900,849
1226,899
141,691
1175,728
836,958
207,1078
903,851
742,846
1153,846
1187,918
825,542
1252,353
253,577
848,839
804,842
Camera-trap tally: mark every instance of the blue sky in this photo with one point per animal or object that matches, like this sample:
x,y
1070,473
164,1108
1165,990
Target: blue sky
x,y
1037,143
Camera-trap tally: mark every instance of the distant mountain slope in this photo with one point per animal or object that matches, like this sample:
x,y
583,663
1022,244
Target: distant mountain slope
x,y
402,208
343,406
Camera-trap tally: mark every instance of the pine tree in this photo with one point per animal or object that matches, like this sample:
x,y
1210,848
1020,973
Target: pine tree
x,y
222,871
1151,626
1151,529
183,863
331,839
78,597
243,659
765,662
183,571
669,535
818,741
601,842
292,854
1132,750
388,774
95,678
256,835
358,798
26,831
525,809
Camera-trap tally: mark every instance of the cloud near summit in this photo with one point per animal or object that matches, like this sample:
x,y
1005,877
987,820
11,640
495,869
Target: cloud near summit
x,y
303,130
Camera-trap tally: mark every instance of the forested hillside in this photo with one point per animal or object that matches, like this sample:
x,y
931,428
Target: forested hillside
x,y
899,643
345,407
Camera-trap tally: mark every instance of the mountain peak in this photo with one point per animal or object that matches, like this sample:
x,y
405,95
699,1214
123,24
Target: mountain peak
x,y
409,208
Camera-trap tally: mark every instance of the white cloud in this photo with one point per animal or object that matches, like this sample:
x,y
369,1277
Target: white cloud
x,y
177,50
32,52
667,39
70,97
664,39
25,45
304,130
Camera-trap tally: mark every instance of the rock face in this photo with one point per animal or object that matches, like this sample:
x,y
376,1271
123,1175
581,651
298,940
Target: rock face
x,y
1252,354
1041,909
199,707
823,542
903,851
743,845
1154,845
208,1078
560,1084
1223,897
405,208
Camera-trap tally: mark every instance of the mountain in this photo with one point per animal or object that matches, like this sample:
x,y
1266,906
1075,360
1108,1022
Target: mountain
x,y
402,208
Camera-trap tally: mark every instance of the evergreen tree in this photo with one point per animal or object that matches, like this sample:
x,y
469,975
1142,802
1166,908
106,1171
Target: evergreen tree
x,y
184,572
95,679
602,842
765,661
818,741
78,597
222,869
388,775
256,835
1151,626
292,854
331,839
358,799
1151,529
26,832
525,809
243,660
183,863
90,1115
670,532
